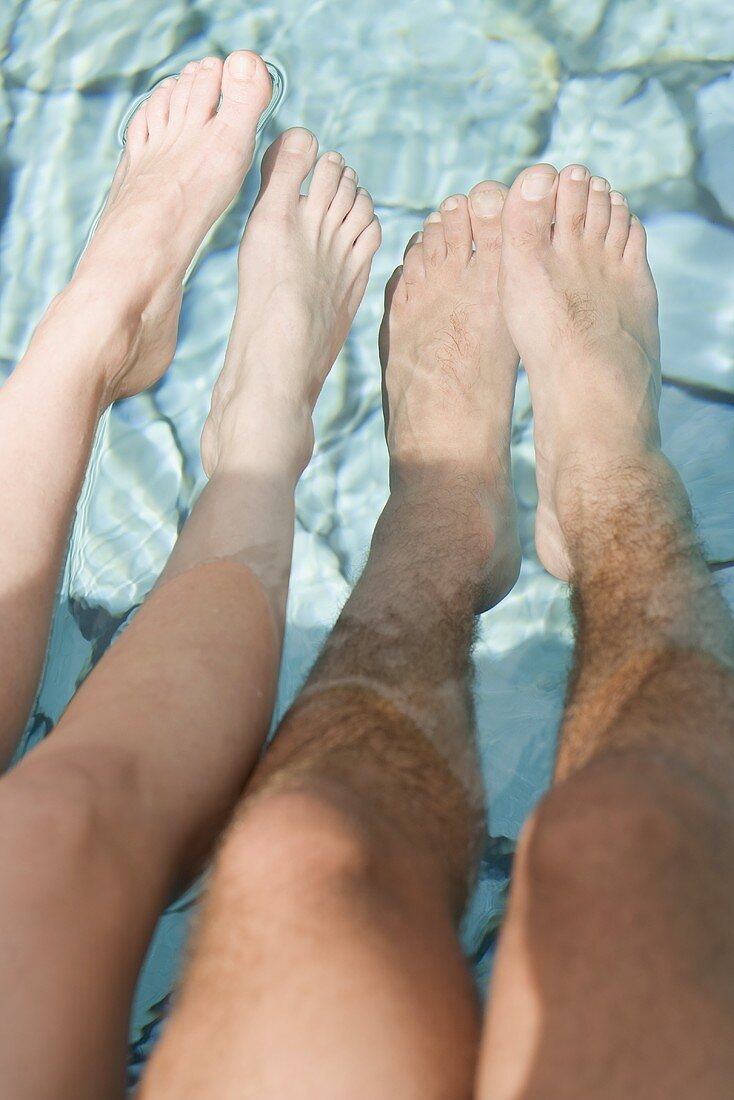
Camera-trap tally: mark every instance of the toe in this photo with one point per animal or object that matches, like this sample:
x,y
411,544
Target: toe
x,y
136,132
619,224
286,165
636,248
394,288
359,217
326,177
434,241
343,200
486,204
246,92
205,91
457,227
415,239
598,209
414,268
571,199
527,216
158,106
181,93
363,253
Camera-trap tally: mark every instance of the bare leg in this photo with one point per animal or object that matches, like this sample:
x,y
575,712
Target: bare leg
x,y
615,975
328,953
121,805
111,333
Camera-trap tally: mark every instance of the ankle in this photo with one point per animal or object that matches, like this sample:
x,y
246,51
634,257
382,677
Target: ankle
x,y
259,432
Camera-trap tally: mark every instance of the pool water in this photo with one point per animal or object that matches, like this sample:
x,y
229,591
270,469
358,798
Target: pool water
x,y
424,98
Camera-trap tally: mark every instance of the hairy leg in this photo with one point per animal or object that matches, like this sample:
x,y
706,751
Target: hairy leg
x,y
615,975
121,806
328,953
109,334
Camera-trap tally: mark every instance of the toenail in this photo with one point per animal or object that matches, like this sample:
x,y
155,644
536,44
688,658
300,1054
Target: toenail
x,y
243,65
335,158
191,67
598,183
432,219
351,174
578,173
538,184
208,62
298,141
618,199
487,204
450,203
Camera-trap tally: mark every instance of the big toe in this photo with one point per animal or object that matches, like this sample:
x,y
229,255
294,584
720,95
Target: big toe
x,y
246,91
286,164
527,217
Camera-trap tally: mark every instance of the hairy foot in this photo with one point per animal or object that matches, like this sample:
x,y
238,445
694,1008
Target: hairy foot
x,y
184,161
304,263
449,373
581,306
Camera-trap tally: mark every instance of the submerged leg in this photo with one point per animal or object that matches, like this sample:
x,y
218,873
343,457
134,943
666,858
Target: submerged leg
x,y
122,804
328,952
615,974
110,333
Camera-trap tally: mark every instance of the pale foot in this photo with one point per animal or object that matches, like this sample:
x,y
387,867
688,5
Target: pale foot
x,y
581,305
304,263
450,370
183,164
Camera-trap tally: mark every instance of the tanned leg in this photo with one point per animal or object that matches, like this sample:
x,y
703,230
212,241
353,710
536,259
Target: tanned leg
x,y
615,974
121,805
327,964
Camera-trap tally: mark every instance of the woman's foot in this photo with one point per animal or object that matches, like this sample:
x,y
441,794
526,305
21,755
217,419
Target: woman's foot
x,y
304,263
450,370
184,162
580,303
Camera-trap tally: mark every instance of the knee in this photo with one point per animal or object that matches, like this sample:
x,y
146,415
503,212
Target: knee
x,y
627,817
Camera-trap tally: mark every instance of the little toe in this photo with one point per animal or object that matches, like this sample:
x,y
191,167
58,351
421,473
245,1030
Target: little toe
x,y
136,132
246,92
158,106
205,91
457,227
359,217
619,224
415,239
527,215
434,241
486,204
343,200
286,164
635,250
323,188
362,255
414,268
571,201
598,209
181,93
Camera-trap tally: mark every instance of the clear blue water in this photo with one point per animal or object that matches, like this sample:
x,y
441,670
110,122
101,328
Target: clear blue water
x,y
424,97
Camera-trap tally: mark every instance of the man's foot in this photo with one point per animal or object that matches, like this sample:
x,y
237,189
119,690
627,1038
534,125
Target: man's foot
x,y
580,303
183,164
304,263
450,370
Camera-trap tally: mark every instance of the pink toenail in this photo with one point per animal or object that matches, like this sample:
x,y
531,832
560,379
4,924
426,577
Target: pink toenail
x,y
578,173
335,158
298,141
243,65
598,183
450,203
351,174
191,67
618,199
487,204
432,219
208,63
538,184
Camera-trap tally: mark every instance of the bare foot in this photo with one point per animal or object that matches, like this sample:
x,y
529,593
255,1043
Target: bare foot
x,y
304,263
450,370
183,164
581,305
